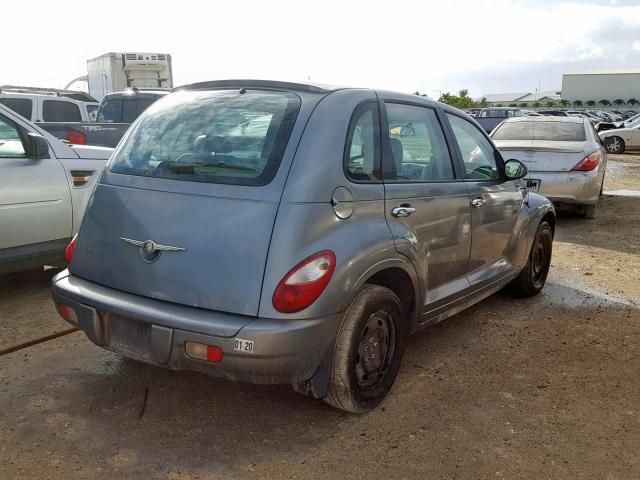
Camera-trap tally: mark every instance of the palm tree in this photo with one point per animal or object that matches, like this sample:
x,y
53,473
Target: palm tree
x,y
523,105
604,103
499,105
591,103
537,104
618,102
564,102
577,103
513,104
550,103
632,101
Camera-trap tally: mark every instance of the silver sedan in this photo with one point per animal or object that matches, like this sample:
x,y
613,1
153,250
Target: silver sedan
x,y
565,157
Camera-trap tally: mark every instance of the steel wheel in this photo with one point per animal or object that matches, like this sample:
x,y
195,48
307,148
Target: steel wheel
x,y
541,259
375,350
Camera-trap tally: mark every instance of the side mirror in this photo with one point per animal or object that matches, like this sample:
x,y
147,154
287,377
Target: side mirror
x,y
37,146
515,169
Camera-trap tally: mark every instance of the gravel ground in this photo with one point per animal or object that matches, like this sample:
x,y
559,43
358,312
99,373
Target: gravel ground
x,y
539,388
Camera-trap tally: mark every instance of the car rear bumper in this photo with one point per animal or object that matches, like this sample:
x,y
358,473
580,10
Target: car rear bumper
x,y
155,332
582,188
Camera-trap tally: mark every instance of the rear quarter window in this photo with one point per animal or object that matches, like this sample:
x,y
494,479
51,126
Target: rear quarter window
x,y
60,111
219,136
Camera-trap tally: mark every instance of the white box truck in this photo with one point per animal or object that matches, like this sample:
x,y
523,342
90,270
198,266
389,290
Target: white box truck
x,y
113,72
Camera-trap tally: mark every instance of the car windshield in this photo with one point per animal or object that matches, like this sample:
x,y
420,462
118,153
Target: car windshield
x,y
554,131
221,136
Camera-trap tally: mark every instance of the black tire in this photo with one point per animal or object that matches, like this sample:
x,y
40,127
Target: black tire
x,y
589,212
614,145
534,275
374,325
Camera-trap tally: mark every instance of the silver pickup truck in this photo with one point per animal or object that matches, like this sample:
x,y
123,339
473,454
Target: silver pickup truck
x,y
44,187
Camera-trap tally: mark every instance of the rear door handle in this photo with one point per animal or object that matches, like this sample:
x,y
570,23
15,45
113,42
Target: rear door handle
x,y
478,202
403,211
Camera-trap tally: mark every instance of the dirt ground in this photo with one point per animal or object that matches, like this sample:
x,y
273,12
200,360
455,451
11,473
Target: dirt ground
x,y
540,388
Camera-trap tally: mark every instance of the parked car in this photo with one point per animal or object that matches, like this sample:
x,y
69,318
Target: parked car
x,y
554,113
44,187
48,104
564,155
490,118
116,114
274,253
619,140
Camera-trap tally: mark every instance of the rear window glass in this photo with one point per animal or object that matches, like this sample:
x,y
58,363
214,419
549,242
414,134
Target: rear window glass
x,y
554,131
220,136
110,111
60,111
22,106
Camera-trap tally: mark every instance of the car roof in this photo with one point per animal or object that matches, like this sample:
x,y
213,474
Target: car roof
x,y
137,92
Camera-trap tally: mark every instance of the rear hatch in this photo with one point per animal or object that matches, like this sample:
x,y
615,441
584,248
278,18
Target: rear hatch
x,y
195,176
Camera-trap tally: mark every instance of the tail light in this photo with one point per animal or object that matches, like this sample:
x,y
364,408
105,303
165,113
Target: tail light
x,y
76,138
304,283
590,162
68,253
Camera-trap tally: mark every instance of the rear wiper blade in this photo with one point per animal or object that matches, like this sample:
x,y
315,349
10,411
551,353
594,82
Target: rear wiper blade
x,y
179,167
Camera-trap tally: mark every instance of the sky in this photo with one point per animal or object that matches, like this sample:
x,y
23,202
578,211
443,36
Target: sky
x,y
485,46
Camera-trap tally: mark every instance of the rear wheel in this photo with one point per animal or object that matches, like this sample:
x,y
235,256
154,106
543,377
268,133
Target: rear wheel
x,y
534,275
368,350
614,145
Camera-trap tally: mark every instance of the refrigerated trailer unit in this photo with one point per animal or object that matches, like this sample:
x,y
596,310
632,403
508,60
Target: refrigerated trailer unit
x,y
113,72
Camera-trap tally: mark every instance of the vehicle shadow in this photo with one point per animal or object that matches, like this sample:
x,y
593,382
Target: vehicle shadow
x,y
614,228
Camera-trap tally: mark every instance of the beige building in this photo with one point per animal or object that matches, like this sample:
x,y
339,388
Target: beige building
x,y
611,84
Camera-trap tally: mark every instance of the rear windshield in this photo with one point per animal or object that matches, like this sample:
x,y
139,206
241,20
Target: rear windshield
x,y
558,131
222,136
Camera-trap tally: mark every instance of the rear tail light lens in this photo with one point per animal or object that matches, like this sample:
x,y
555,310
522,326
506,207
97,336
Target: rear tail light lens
x,y
68,253
76,138
590,162
304,283
204,352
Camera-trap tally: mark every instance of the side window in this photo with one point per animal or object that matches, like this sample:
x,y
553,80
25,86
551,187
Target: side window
x,y
22,106
477,152
59,111
362,149
10,141
418,146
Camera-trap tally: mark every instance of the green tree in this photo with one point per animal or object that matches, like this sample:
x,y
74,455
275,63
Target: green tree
x,y
462,100
632,101
537,104
550,103
523,105
564,102
604,102
577,103
483,102
618,102
499,104
591,103
513,104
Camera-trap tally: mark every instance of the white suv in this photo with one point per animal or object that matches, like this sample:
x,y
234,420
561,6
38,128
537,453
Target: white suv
x,y
47,107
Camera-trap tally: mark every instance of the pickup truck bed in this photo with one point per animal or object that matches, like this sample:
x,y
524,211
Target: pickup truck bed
x,y
104,134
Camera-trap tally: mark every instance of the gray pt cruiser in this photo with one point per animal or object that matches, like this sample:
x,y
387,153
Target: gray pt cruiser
x,y
273,232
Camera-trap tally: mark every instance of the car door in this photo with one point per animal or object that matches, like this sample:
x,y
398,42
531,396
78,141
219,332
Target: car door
x,y
35,199
496,205
426,201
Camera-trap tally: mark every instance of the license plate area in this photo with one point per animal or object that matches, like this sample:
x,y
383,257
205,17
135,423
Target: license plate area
x,y
533,184
128,336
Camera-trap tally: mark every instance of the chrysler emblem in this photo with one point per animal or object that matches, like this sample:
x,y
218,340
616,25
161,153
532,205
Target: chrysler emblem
x,y
150,247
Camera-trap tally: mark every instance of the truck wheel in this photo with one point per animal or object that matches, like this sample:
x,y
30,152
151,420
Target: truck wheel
x,y
589,212
368,351
614,145
534,275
